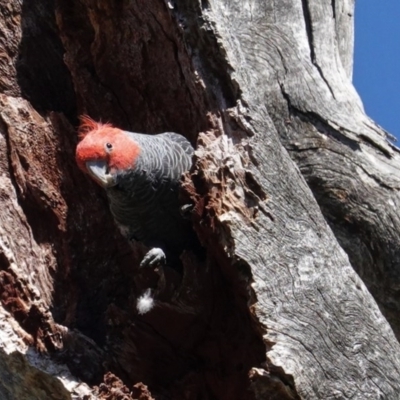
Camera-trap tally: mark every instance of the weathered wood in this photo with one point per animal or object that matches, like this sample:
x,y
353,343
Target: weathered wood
x,y
301,73
26,374
291,60
276,309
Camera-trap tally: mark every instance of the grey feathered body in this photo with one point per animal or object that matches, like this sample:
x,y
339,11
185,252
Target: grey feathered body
x,y
145,201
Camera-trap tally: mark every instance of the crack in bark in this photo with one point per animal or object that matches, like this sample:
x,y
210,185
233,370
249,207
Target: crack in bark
x,y
324,79
282,59
308,23
205,4
376,145
176,53
315,118
351,160
310,36
13,179
211,56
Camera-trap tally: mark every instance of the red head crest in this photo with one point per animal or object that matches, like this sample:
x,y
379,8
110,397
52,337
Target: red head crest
x,y
104,142
88,124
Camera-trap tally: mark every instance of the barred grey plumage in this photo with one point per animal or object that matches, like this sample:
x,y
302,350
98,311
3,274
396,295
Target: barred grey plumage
x,y
141,175
145,200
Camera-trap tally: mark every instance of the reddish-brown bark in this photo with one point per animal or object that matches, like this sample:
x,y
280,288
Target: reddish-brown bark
x,y
69,282
74,285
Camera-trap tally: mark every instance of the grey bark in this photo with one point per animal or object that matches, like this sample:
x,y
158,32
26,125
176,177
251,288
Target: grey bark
x,y
351,167
294,193
292,63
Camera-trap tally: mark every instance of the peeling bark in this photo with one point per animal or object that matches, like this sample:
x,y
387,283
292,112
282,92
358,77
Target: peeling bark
x,y
276,309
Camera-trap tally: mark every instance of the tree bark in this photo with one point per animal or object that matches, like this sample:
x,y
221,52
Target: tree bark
x,y
294,195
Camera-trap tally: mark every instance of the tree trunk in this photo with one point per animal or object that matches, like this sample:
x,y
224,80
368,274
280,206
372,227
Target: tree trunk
x,y
294,194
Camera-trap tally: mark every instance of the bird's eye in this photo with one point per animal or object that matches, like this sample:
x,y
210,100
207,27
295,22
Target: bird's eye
x,y
108,146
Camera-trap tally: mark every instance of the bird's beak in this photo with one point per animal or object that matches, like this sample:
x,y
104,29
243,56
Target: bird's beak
x,y
99,172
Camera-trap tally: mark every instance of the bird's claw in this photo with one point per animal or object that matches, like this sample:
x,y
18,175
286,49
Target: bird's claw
x,y
153,257
186,210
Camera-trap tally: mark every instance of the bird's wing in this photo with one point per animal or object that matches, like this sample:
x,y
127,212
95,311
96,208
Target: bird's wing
x,y
181,140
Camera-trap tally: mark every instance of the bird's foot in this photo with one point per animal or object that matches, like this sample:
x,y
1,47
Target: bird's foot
x,y
153,257
186,210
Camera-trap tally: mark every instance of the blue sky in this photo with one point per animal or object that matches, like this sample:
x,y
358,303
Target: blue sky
x,y
377,61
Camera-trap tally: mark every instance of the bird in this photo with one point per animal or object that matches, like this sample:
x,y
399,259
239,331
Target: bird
x,y
141,174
